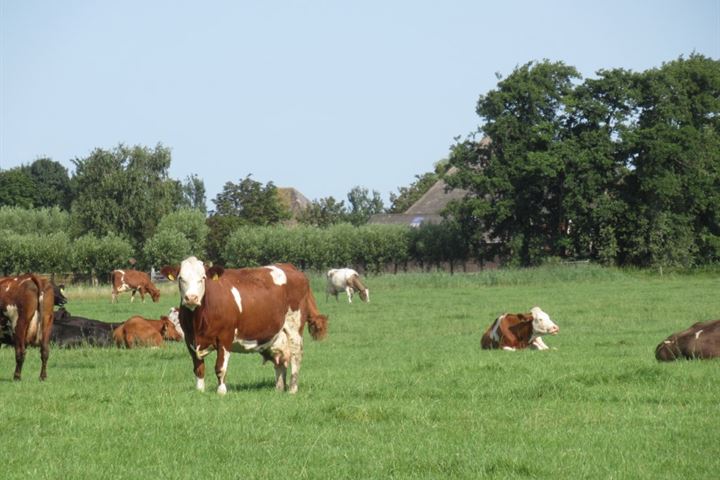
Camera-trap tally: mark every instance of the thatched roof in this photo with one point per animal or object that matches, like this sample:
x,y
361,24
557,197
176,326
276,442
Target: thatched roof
x,y
295,201
427,209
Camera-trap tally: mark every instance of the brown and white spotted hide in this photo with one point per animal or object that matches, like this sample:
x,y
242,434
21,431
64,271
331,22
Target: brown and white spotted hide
x,y
347,280
26,316
139,331
260,310
700,341
135,281
516,331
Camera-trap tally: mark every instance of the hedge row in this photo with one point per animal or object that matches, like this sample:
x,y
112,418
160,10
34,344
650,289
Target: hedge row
x,y
370,248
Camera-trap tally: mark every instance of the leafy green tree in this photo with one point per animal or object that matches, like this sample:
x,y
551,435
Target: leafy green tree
x,y
323,213
51,183
124,191
363,206
193,193
96,257
519,195
16,188
251,202
673,150
179,234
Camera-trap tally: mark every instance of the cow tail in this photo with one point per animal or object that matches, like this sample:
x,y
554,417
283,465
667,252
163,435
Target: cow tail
x,y
40,306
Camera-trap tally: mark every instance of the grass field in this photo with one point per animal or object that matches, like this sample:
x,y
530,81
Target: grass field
x,y
399,389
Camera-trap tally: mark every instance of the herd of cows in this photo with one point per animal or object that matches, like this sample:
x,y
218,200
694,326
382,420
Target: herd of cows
x,y
262,310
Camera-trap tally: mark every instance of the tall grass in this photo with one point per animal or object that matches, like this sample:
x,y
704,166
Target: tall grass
x,y
399,389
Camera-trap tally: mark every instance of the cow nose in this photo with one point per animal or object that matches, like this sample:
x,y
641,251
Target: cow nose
x,y
191,300
554,330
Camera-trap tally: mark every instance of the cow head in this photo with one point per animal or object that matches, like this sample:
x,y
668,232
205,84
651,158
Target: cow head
x,y
59,295
191,281
668,350
168,330
541,324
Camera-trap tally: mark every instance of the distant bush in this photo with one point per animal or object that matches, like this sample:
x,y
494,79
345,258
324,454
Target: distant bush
x,y
38,221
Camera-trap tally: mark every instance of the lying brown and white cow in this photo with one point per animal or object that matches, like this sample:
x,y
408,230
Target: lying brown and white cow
x,y
139,331
26,316
515,331
701,340
247,310
124,280
348,280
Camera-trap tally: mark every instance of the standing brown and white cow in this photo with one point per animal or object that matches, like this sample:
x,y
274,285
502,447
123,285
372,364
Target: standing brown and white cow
x,y
247,310
26,316
124,280
515,331
701,341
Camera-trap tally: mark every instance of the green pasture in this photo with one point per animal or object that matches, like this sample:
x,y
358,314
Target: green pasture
x,y
399,389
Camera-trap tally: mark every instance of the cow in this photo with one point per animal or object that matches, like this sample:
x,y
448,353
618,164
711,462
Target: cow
x,y
348,280
26,317
124,280
71,331
262,310
137,331
515,331
701,341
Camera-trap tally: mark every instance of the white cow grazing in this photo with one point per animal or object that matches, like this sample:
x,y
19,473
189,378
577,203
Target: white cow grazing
x,y
347,279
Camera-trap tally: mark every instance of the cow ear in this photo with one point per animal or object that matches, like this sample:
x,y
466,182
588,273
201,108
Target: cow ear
x,y
169,272
215,272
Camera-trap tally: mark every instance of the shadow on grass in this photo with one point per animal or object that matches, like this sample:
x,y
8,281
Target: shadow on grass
x,y
252,386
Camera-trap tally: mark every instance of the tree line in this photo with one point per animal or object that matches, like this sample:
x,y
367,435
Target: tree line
x,y
623,168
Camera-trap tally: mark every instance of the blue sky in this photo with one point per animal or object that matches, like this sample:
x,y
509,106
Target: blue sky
x,y
318,95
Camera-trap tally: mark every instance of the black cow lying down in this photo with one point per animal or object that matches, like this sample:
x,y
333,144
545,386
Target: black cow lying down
x,y
702,340
70,331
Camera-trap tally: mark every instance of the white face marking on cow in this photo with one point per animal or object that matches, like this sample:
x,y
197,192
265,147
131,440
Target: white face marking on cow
x,y
278,276
542,324
191,282
697,334
238,300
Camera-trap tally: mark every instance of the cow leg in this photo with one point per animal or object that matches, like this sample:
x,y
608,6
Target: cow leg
x,y
280,374
113,298
142,294
132,295
349,292
19,358
295,343
539,344
223,356
199,370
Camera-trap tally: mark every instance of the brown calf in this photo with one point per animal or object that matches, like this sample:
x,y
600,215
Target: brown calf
x,y
137,331
26,316
124,280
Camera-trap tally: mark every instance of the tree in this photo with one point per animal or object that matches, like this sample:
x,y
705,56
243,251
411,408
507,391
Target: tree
x,y
323,213
674,153
193,191
245,203
362,206
124,191
51,183
16,188
519,195
251,202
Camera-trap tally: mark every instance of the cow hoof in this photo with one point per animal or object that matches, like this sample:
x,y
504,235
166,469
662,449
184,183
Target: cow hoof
x,y
222,389
200,384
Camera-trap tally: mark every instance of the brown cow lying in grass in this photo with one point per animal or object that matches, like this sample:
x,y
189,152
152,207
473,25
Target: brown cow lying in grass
x,y
701,340
139,331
